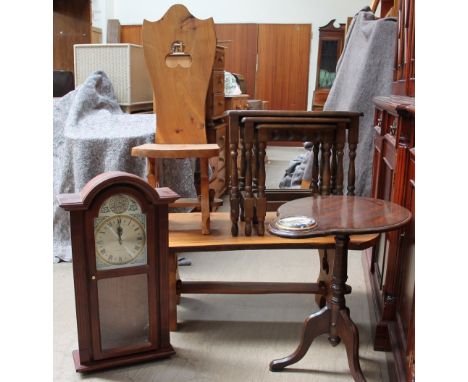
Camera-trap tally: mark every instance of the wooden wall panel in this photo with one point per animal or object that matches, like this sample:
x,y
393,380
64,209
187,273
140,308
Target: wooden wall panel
x,y
240,41
282,75
72,25
283,65
96,35
131,34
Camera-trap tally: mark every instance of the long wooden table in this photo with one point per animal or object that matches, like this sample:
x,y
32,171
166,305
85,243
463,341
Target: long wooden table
x,y
185,236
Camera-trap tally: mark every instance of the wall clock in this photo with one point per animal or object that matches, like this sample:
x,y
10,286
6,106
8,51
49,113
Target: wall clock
x,y
119,235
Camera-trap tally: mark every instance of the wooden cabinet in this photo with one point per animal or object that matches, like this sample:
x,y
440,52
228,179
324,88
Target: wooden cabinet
x,y
331,42
216,129
404,72
392,262
72,25
238,102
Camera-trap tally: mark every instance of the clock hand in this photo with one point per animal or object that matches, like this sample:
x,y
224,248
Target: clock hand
x,y
119,230
113,232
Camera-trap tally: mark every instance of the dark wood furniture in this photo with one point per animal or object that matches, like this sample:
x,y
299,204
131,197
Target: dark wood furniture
x,y
72,25
340,216
329,132
331,43
184,236
216,128
180,52
391,264
121,301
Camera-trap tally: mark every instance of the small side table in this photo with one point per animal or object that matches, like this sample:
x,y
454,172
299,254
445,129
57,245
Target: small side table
x,y
340,216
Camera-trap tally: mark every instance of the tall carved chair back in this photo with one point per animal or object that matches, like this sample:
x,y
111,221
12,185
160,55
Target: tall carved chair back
x,y
179,52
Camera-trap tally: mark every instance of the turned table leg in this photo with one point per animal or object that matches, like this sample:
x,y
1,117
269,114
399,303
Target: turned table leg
x,y
249,200
261,197
234,189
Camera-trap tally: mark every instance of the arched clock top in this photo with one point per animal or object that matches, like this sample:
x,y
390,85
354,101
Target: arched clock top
x,y
102,182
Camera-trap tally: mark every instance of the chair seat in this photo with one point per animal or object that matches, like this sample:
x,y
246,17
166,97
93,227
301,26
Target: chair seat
x,y
156,150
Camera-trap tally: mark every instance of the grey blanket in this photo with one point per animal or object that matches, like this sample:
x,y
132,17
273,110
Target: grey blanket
x,y
365,70
91,136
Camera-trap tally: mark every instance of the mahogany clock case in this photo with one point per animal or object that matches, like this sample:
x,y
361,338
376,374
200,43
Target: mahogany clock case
x,y
93,285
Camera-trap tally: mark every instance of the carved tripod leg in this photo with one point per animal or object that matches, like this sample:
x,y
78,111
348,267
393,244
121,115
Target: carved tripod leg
x,y
327,257
349,334
315,325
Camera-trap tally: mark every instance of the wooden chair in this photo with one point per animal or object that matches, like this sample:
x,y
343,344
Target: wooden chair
x,y
179,51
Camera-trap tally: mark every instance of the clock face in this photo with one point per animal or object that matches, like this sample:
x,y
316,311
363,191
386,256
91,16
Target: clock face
x,y
120,233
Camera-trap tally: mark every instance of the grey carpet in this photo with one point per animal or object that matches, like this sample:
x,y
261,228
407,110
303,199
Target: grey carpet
x,y
91,136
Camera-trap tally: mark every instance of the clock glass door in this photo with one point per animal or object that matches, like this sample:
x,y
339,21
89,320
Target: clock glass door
x,y
122,277
123,311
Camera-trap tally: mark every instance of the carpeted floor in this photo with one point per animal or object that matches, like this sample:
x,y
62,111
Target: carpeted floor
x,y
234,337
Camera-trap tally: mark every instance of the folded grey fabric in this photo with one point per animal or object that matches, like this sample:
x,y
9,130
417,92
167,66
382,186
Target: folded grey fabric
x,y
91,136
364,71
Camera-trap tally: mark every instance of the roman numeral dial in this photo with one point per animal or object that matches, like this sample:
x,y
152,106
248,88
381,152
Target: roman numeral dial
x,y
120,240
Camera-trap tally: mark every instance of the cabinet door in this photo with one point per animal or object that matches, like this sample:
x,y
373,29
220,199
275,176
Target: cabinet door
x,y
384,191
284,86
405,308
72,25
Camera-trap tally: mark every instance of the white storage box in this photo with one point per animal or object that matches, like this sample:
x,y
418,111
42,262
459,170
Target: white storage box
x,y
125,66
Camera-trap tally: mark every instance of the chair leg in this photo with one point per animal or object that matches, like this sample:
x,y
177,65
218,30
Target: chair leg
x,y
205,196
152,173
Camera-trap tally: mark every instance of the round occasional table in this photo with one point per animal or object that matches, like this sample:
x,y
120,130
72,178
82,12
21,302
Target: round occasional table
x,y
340,216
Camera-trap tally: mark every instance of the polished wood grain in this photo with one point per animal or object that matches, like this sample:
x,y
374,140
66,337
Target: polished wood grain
x,y
185,236
180,53
155,150
343,215
131,34
285,85
84,207
404,71
391,262
72,25
240,41
180,92
340,216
